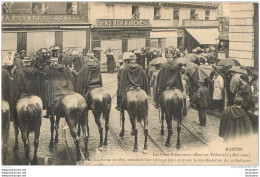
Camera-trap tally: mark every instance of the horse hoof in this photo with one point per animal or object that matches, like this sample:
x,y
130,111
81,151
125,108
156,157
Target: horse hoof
x,y
15,148
167,144
51,145
162,132
145,151
105,143
121,134
135,149
178,146
56,141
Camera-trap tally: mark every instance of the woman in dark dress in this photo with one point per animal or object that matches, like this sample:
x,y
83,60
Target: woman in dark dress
x,y
111,64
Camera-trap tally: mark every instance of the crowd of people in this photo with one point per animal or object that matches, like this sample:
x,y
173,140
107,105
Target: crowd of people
x,y
51,75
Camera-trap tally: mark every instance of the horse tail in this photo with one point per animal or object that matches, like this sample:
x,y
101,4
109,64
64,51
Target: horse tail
x,y
33,113
142,106
106,104
178,105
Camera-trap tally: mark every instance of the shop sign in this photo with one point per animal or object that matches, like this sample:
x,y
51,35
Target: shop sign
x,y
122,22
199,23
223,28
42,19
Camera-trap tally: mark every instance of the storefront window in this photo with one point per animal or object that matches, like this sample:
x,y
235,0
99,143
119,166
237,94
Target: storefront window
x,y
135,12
157,13
39,8
192,14
72,8
176,14
207,14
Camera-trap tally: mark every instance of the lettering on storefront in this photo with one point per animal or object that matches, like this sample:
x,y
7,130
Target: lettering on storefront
x,y
34,19
223,28
197,23
122,22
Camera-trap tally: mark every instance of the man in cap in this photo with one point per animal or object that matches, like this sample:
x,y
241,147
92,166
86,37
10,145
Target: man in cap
x,y
131,75
201,99
235,122
218,90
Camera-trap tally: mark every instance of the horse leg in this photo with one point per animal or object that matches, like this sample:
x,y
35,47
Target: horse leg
x,y
145,134
26,146
57,129
162,126
76,141
16,132
84,125
169,127
106,114
179,131
134,131
100,129
122,133
52,130
36,143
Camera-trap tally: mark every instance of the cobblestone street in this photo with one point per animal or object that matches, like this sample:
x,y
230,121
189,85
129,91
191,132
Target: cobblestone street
x,y
59,154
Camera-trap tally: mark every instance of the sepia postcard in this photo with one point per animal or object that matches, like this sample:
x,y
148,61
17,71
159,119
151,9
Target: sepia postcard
x,y
129,84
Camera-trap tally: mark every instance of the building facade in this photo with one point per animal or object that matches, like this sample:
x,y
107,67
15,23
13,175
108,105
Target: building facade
x,y
121,26
243,33
33,25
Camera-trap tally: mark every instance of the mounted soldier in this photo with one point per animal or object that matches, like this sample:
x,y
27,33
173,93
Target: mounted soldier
x,y
132,75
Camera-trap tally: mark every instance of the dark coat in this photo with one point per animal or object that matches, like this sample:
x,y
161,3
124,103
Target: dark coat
x,y
246,93
132,75
26,82
7,94
111,64
169,76
61,83
234,123
201,97
88,76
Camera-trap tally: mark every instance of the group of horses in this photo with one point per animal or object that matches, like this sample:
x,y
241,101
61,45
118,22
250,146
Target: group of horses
x,y
74,107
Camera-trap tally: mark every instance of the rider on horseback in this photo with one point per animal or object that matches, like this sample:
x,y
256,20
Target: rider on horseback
x,y
89,77
169,76
132,75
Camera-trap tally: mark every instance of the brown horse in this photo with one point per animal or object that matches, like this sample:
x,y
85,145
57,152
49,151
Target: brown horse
x,y
28,119
136,104
171,102
99,102
5,128
74,108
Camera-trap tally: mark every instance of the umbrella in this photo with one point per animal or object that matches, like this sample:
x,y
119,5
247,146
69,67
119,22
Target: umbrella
x,y
180,61
201,72
240,69
202,59
159,60
191,57
229,62
254,71
125,55
97,49
151,49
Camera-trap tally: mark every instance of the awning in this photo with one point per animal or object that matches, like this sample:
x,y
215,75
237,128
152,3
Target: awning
x,y
204,36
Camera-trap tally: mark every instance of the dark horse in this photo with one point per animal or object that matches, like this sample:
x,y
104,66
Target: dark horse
x,y
29,119
99,101
5,128
136,104
171,102
74,108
